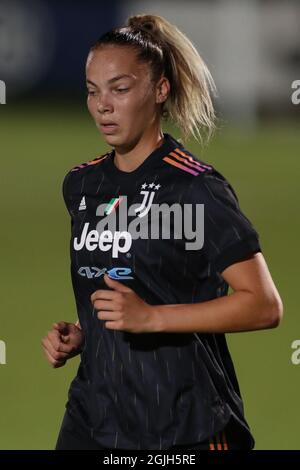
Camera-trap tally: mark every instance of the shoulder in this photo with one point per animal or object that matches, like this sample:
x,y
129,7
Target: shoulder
x,y
76,172
73,178
185,163
199,176
94,161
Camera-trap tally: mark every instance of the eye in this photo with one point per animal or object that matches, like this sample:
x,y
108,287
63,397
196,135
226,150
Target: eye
x,y
122,89
91,93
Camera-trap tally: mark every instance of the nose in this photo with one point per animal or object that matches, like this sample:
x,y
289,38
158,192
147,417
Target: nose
x,y
103,104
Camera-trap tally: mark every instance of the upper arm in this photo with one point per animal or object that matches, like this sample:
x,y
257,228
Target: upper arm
x,y
232,246
252,274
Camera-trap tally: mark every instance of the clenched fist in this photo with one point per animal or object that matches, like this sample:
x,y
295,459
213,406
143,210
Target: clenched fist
x,y
63,341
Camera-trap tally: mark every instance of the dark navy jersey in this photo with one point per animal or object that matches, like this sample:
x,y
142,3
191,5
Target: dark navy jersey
x,y
154,390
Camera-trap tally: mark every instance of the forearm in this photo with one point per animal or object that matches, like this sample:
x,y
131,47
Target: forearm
x,y
239,311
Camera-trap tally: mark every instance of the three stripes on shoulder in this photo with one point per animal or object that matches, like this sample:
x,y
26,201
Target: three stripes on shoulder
x,y
186,162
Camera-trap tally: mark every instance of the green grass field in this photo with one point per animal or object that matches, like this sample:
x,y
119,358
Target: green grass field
x,y
39,144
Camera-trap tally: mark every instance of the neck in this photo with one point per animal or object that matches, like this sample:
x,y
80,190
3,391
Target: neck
x,y
128,158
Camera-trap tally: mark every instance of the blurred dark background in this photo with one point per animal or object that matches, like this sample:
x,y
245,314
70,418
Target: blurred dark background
x,y
252,48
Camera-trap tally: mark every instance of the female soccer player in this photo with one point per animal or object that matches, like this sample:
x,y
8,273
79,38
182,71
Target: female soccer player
x,y
158,237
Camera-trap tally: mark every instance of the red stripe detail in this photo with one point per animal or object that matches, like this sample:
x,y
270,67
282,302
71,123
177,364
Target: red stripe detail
x,y
118,203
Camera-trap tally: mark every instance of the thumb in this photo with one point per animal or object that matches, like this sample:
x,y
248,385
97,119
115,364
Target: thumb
x,y
116,285
65,338
61,326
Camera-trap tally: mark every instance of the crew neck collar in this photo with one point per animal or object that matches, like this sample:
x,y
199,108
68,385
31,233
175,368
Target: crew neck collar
x,y
169,144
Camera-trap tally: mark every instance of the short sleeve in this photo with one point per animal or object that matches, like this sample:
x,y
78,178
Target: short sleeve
x,y
229,236
65,193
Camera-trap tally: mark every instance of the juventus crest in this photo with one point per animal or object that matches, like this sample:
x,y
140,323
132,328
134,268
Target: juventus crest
x,y
148,196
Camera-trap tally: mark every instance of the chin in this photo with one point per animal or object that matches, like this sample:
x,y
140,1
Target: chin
x,y
110,138
116,140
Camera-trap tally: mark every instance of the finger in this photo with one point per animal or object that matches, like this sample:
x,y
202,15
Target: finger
x,y
65,338
57,355
61,326
116,285
106,305
54,337
114,325
55,363
108,315
105,294
56,342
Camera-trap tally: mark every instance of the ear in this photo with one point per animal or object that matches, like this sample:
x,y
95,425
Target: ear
x,y
162,89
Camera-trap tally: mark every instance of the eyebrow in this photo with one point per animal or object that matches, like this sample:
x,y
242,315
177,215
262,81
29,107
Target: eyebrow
x,y
113,79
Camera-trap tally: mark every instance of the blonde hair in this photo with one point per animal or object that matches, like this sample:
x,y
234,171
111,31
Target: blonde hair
x,y
170,52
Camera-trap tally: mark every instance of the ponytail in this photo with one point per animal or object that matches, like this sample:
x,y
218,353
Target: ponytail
x,y
168,51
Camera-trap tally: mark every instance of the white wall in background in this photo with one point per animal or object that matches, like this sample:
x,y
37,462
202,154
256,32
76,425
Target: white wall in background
x,y
246,45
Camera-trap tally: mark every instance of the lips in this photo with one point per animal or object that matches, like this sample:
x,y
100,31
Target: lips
x,y
108,127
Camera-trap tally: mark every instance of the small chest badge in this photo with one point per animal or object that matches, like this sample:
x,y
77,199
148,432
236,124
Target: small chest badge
x,y
148,196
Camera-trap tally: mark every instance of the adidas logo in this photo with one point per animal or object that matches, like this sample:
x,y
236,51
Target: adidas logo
x,y
82,205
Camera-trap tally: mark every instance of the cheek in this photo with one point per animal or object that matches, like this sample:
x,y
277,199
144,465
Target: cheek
x,y
146,103
133,106
91,105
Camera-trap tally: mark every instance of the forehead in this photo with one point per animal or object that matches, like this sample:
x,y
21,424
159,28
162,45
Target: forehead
x,y
112,60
